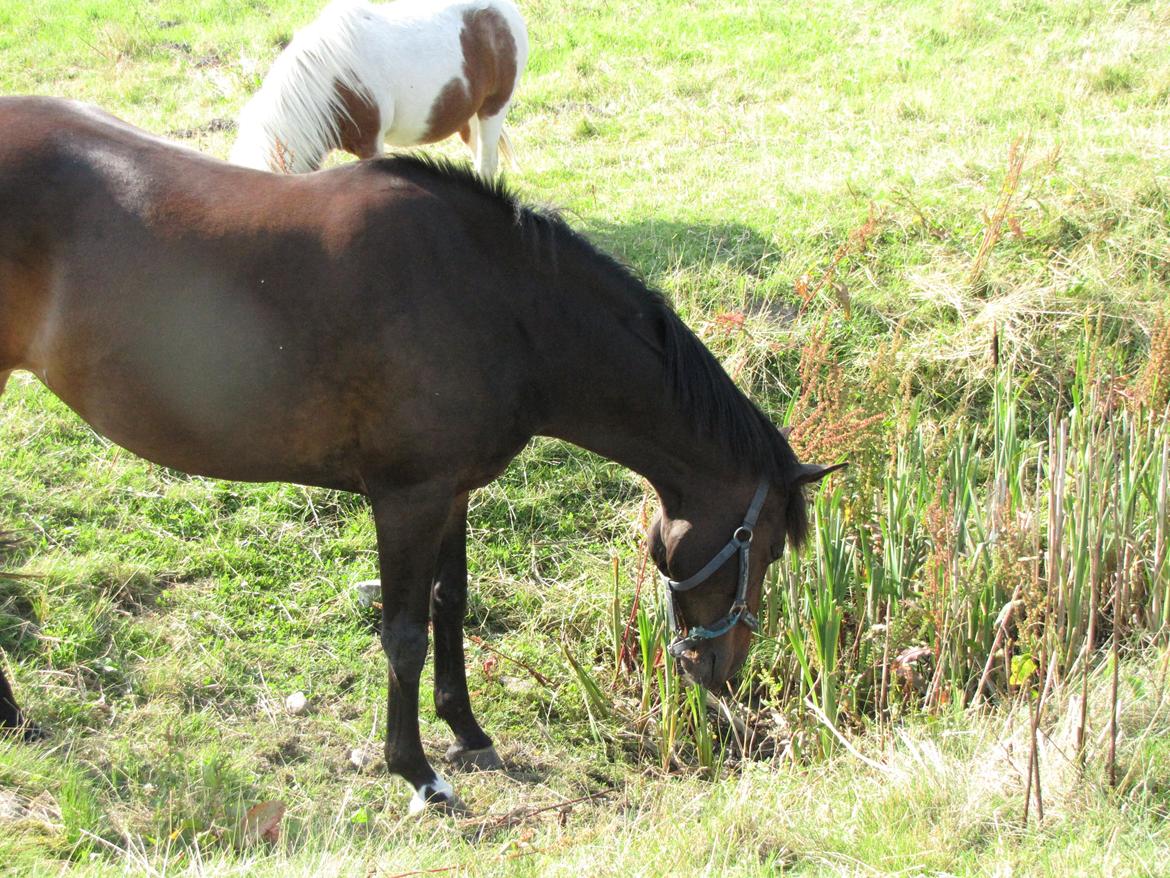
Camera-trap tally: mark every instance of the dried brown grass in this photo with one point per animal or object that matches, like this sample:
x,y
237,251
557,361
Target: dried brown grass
x,y
829,421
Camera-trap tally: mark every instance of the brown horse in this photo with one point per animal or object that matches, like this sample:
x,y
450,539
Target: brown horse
x,y
396,328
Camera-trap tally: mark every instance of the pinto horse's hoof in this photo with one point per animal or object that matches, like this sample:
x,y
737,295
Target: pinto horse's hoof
x,y
434,796
483,759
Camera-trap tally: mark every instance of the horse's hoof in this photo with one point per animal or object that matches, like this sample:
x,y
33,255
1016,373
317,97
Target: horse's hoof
x,y
29,732
434,796
483,759
368,592
32,733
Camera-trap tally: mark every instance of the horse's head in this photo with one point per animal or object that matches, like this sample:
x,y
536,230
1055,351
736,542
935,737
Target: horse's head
x,y
713,551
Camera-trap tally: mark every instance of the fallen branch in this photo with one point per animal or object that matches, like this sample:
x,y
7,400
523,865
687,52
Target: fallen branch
x,y
420,872
537,675
853,751
512,818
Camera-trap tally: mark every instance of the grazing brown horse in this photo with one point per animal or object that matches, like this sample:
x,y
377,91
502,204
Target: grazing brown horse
x,y
396,328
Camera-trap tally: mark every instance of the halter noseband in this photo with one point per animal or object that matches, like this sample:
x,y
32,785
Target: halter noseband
x,y
740,542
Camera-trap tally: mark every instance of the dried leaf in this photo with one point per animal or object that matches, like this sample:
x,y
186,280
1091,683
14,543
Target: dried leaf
x,y
262,822
729,322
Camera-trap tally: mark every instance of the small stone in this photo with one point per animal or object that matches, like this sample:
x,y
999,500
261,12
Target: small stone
x,y
296,703
360,758
368,592
518,685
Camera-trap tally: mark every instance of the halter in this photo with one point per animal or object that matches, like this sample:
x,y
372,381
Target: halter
x,y
740,542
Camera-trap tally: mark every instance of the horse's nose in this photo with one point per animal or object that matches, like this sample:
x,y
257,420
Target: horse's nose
x,y
688,664
698,666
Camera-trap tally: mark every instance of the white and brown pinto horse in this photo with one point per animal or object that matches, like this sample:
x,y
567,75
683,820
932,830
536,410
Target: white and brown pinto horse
x,y
404,73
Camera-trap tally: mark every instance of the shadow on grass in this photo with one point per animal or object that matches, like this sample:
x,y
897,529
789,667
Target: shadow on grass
x,y
654,245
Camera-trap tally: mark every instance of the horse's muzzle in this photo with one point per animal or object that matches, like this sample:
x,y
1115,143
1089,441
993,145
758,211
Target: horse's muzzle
x,y
708,664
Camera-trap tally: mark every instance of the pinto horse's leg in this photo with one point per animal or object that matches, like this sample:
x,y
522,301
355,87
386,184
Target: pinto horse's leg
x,y
487,155
410,526
472,746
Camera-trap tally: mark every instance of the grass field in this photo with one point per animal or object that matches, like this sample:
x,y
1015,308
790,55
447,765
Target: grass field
x,y
935,236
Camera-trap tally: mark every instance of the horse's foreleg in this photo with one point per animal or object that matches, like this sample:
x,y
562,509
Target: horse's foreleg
x,y
470,135
448,610
410,525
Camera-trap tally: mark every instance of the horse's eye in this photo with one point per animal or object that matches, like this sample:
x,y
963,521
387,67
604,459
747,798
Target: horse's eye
x,y
658,554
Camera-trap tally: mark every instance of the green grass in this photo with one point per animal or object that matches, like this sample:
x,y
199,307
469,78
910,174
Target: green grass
x,y
729,151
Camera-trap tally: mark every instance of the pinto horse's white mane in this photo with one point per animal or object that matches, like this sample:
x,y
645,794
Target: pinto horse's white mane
x,y
400,57
291,123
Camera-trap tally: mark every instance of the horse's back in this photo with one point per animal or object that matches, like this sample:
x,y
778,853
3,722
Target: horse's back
x,y
39,123
242,324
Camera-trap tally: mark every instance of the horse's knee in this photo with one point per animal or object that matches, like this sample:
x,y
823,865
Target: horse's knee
x,y
405,647
449,596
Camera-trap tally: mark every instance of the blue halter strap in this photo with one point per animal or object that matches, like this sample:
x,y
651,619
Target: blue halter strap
x,y
740,543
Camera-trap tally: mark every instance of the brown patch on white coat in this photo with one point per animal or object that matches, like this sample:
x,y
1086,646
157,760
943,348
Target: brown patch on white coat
x,y
489,66
481,95
359,126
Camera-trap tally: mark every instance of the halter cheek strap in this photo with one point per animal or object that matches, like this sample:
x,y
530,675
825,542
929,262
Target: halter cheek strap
x,y
740,543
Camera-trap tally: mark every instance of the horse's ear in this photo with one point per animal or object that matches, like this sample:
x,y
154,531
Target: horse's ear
x,y
807,473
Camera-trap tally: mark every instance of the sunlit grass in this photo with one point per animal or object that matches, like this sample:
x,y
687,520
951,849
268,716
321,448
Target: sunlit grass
x,y
807,183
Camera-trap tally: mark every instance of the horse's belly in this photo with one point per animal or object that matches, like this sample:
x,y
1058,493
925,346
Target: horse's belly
x,y
205,383
211,433
421,106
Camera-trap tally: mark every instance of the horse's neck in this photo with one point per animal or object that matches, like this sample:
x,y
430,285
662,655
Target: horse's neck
x,y
255,148
611,397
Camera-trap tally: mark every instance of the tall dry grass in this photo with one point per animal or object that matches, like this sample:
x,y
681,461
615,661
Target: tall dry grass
x,y
955,569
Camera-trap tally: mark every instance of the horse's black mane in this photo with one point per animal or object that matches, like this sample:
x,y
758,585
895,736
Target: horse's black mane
x,y
695,378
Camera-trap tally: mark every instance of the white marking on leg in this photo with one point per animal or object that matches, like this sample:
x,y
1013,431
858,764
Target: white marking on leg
x,y
432,792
